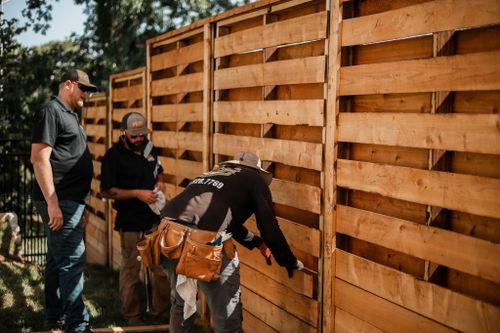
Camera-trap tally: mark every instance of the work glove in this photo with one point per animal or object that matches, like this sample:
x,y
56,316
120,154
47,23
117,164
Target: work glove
x,y
264,250
298,265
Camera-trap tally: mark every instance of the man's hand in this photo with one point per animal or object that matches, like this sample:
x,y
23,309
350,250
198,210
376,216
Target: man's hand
x,y
146,196
55,216
298,265
264,250
160,185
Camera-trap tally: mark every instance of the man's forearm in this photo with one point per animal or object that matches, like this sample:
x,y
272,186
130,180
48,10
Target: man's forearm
x,y
43,176
118,193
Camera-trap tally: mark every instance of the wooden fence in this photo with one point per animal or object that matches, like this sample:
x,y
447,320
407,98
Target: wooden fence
x,y
379,121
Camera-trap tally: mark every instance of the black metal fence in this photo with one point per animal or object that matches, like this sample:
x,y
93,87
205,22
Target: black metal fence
x,y
16,184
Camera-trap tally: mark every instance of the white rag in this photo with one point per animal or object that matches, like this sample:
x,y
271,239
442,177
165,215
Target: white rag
x,y
187,289
158,205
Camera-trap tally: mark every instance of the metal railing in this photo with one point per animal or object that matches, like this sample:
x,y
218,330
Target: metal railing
x,y
16,185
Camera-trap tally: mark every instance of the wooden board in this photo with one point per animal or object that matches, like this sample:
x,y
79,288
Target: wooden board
x,y
470,194
468,254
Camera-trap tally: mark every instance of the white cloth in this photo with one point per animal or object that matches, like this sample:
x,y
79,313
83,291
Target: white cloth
x,y
187,289
158,205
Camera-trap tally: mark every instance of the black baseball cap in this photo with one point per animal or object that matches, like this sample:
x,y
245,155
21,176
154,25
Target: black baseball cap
x,y
77,75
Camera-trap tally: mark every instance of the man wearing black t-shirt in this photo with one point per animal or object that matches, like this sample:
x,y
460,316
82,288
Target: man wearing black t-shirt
x,y
130,173
63,172
222,200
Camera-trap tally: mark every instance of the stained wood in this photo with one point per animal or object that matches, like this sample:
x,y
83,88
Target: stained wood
x,y
96,130
177,112
183,55
476,71
179,84
117,113
302,196
393,155
184,168
428,17
464,253
304,28
306,70
298,305
176,140
301,282
458,132
96,149
297,235
130,93
415,103
430,300
347,323
96,112
485,165
381,313
284,112
470,194
252,324
274,316
296,153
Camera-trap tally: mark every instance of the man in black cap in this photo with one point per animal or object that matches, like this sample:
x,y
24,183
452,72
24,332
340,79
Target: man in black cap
x,y
221,201
63,172
130,173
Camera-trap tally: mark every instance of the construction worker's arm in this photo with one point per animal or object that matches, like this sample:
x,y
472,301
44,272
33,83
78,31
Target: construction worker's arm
x,y
147,196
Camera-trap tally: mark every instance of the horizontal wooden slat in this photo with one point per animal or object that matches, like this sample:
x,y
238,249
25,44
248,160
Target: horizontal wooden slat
x,y
95,112
440,304
179,84
476,71
272,315
380,313
298,236
252,324
296,153
117,114
301,306
286,112
302,196
470,194
177,112
300,29
131,93
98,204
96,149
464,253
347,323
96,130
183,55
305,70
301,282
178,140
428,17
184,168
457,132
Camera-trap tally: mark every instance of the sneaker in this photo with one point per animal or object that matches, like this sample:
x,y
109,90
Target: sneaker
x,y
88,330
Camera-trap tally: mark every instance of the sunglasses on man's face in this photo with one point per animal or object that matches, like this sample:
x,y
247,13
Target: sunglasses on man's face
x,y
83,88
139,135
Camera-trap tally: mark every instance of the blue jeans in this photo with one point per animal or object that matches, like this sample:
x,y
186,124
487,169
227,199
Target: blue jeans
x,y
64,268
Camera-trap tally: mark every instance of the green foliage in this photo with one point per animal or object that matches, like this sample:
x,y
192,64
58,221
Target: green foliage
x,y
113,42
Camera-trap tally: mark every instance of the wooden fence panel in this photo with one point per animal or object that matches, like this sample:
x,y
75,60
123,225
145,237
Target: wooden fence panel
x,y
178,81
418,151
269,85
95,119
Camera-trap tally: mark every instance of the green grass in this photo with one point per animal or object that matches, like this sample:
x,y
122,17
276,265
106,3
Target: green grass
x,y
22,294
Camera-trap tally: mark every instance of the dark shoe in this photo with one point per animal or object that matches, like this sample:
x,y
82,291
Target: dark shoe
x,y
88,330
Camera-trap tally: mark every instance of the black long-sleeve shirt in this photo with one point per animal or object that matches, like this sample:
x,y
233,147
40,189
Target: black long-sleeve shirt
x,y
223,199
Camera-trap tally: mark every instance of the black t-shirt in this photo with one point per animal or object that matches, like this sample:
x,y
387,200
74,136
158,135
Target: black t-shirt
x,y
224,199
127,170
71,161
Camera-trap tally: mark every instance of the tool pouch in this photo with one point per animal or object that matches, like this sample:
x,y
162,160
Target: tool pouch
x,y
171,239
148,253
200,260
